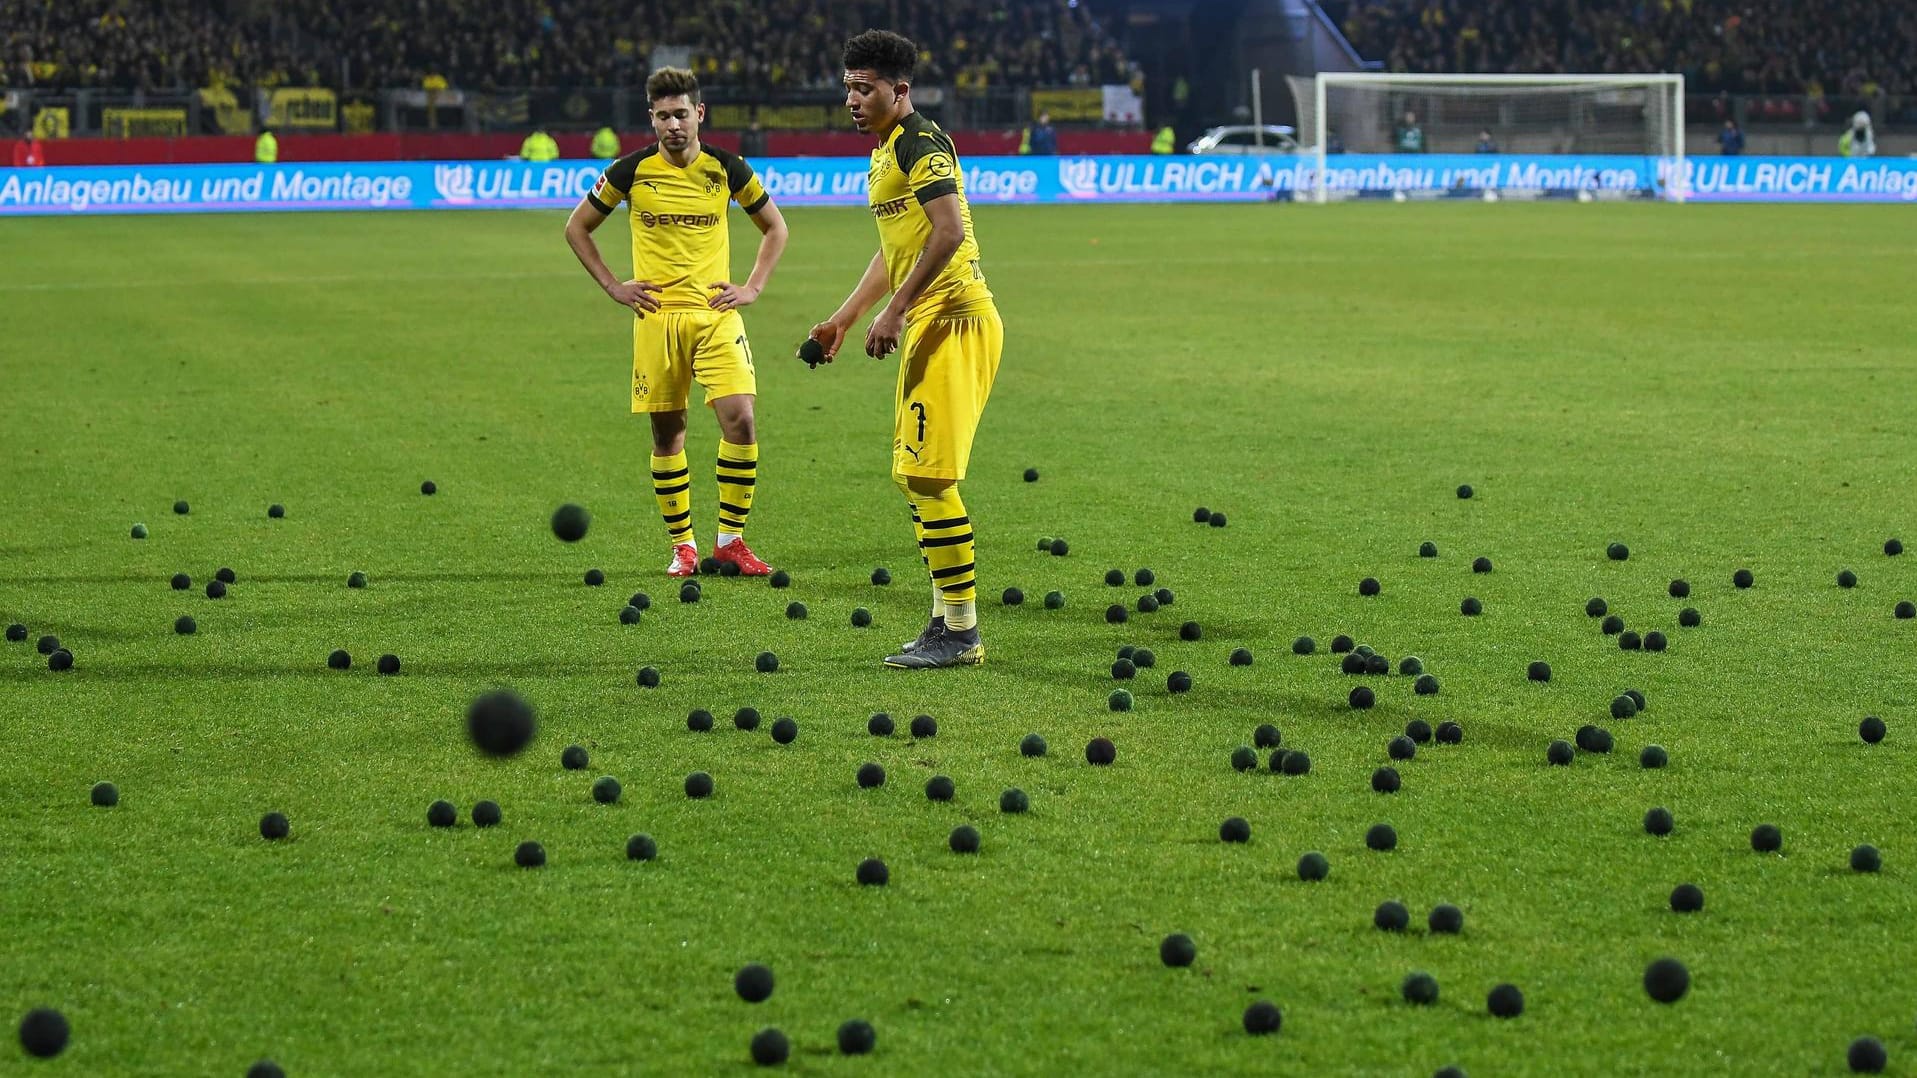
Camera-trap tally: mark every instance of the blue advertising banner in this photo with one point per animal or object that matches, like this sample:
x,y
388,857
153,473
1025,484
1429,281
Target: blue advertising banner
x,y
432,185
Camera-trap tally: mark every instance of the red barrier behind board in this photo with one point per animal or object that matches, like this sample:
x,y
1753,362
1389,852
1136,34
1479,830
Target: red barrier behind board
x,y
230,149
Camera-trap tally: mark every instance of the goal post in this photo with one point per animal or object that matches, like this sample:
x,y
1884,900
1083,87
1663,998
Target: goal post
x,y
1539,136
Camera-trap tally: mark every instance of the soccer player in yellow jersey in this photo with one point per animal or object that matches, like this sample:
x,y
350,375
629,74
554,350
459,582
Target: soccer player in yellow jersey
x,y
688,327
941,321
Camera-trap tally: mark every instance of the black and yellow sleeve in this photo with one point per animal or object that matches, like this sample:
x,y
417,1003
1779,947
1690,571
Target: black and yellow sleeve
x,y
928,160
611,188
741,181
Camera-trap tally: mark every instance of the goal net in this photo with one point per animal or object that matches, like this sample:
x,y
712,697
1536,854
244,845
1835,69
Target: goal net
x,y
1491,136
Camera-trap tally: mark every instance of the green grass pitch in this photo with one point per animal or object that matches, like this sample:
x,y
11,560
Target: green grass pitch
x,y
1718,387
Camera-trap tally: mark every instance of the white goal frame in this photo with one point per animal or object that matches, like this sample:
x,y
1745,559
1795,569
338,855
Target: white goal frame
x,y
1672,84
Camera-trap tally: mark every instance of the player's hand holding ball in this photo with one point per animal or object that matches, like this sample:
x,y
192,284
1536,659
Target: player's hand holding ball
x,y
822,344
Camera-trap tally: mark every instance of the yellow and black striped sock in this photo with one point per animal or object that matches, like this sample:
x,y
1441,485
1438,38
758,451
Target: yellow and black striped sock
x,y
671,482
918,534
738,473
946,540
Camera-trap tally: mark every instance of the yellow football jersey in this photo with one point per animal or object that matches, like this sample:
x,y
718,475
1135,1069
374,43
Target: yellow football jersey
x,y
914,165
679,237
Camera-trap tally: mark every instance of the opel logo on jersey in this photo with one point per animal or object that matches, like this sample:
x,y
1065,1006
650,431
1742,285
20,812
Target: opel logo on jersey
x,y
682,220
939,164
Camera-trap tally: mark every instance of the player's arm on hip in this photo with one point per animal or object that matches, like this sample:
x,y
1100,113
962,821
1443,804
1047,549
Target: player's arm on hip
x,y
772,237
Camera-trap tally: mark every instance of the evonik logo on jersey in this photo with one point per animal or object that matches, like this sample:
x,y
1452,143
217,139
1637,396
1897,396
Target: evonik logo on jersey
x,y
683,220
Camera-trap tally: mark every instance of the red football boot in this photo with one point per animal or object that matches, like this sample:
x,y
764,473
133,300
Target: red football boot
x,y
741,555
685,561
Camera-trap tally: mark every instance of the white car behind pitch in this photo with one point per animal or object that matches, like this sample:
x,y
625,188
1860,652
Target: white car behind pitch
x,y
1247,139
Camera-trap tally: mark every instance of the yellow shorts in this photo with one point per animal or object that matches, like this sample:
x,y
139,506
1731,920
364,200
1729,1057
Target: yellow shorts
x,y
946,368
673,348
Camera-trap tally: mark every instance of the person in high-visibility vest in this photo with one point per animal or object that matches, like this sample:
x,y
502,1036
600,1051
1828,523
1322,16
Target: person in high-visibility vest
x,y
539,146
1165,141
605,144
266,149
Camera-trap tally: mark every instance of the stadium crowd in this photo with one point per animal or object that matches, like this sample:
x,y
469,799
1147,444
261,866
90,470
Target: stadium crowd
x,y
1853,48
484,44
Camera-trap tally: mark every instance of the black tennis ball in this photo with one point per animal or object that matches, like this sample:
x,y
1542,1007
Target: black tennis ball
x,y
1418,730
1304,645
1143,658
356,580
1846,578
1234,829
574,758
1687,898
1559,753
181,582
1653,757
16,632
1680,589
1381,837
216,589
1100,751
766,663
753,982
690,592
1377,665
1031,475
1450,733
1362,697
139,531
1295,762
1177,950
1538,671
1178,681
1481,565
1369,586
1060,548
1656,641
1427,549
1865,858
746,718
1594,739
388,664
1217,520
879,725
273,826
1658,821
698,785
1114,578
861,617
1313,867
1144,578
856,1036
1623,707
871,776
1116,614
1505,1001
1164,597
1893,546
43,1032
710,565
1465,491
780,579
1426,685
605,790
938,788
441,813
104,795
1012,597
1905,610
629,615
641,847
500,723
1871,729
1743,578
265,1068
873,873
1341,644
769,1046
1148,604
595,577
1866,1055
275,511
784,730
1013,801
699,720
1628,640
1666,980
429,487
1391,916
1446,919
1766,838
486,814
1420,989
181,508
1612,625
1385,780
1410,666
1200,515
569,522
729,568
1471,607
648,677
1054,600
60,660
1352,663
185,625
1263,1017
1636,698
1124,670
1401,748
1031,745
1596,608
1244,758
1617,552
1119,700
1266,736
795,611
963,839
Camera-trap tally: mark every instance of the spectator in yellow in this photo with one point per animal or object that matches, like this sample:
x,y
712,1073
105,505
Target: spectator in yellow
x,y
605,144
1165,141
266,149
539,146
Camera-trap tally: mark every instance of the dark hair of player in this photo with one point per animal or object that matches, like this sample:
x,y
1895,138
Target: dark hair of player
x,y
673,82
891,56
